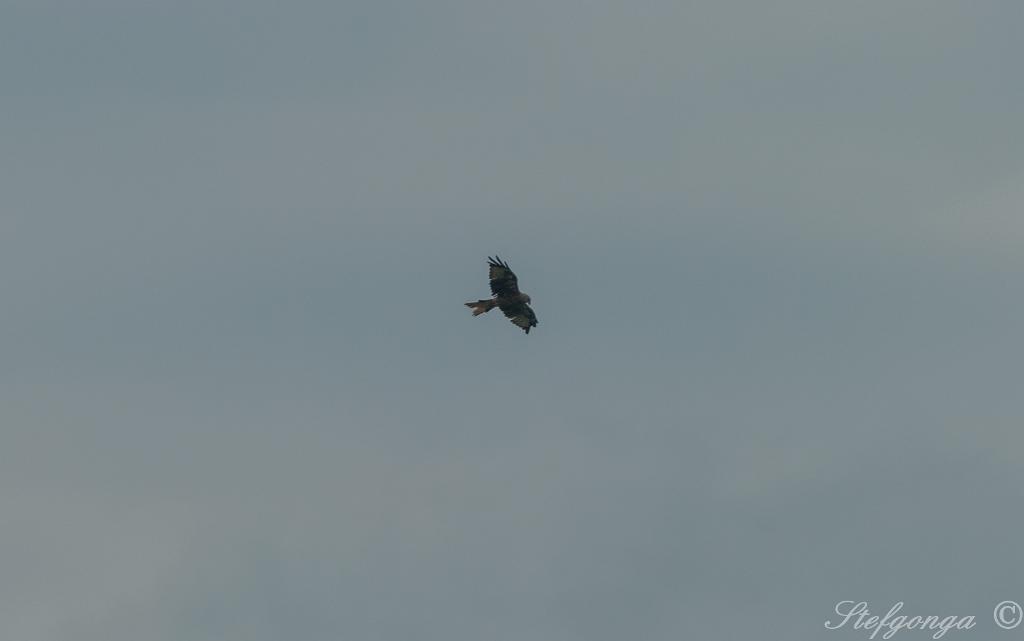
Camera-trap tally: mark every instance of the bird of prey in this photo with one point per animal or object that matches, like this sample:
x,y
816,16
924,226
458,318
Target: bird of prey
x,y
507,297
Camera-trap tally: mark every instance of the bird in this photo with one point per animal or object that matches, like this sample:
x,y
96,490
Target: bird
x,y
507,297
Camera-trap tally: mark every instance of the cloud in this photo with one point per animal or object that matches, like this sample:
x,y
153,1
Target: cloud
x,y
772,251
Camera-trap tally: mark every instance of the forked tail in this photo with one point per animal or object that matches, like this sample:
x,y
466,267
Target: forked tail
x,y
481,306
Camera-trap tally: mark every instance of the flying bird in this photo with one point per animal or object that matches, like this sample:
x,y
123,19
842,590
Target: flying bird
x,y
507,297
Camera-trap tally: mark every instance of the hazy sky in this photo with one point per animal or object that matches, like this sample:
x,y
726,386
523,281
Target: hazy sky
x,y
775,249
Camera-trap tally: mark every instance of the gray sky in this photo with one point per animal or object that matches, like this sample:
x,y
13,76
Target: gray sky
x,y
775,251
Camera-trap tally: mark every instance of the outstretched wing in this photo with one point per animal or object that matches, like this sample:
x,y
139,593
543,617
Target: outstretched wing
x,y
521,315
503,280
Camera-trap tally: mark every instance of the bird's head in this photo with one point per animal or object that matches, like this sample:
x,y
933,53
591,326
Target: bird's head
x,y
526,298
